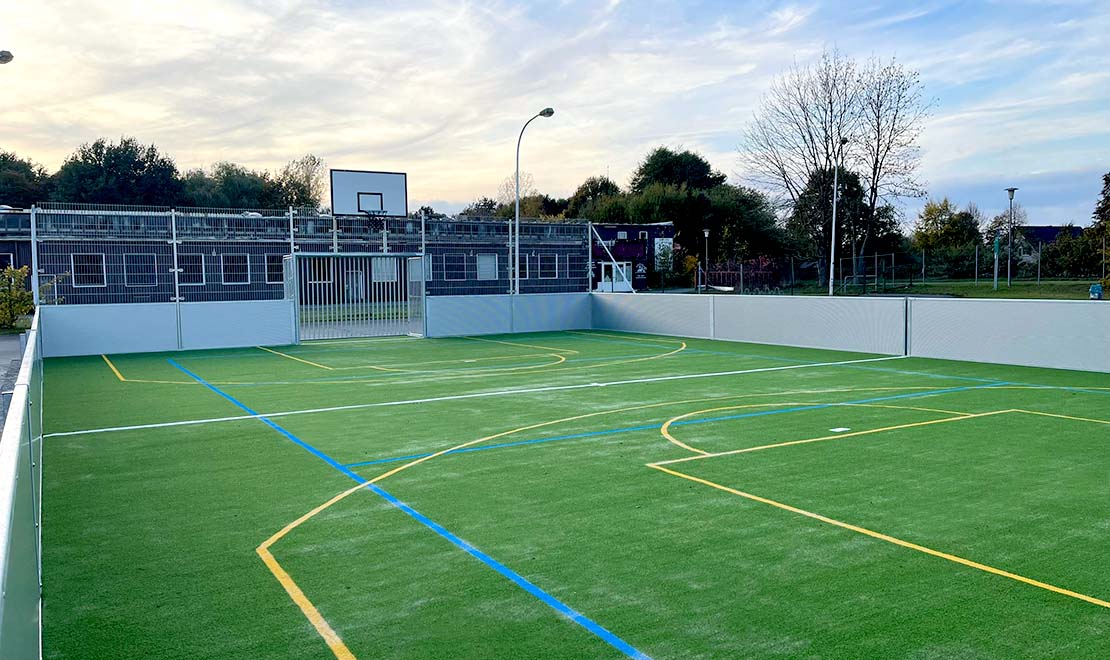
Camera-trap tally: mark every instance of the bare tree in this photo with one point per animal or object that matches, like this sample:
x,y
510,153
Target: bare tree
x,y
893,110
506,192
801,122
867,119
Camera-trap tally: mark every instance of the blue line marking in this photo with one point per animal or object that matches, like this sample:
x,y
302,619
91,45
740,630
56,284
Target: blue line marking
x,y
552,602
685,422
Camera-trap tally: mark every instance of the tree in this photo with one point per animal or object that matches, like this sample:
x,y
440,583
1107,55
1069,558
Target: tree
x,y
1101,215
22,182
675,168
303,182
123,173
581,204
481,207
809,224
802,124
1000,225
745,224
15,299
506,192
893,110
942,224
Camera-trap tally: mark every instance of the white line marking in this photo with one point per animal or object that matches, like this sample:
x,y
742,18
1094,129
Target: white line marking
x,y
475,395
840,429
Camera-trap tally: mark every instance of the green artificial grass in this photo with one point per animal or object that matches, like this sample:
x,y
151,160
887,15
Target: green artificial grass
x,y
150,534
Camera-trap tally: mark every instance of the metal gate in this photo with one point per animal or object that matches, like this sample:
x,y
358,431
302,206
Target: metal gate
x,y
356,295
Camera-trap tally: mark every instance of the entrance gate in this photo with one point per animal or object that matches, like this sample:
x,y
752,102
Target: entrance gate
x,y
356,295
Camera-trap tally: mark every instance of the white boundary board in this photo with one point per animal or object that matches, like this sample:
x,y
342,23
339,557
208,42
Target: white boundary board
x,y
356,192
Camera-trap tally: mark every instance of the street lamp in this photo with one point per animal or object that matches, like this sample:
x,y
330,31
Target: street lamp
x,y
546,112
836,194
6,56
705,281
1010,249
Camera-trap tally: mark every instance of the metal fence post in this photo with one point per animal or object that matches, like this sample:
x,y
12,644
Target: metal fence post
x,y
176,275
922,266
292,230
976,264
34,256
1040,249
334,233
590,256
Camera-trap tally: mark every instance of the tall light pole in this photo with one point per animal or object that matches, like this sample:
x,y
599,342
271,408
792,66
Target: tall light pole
x,y
1010,249
836,194
705,282
546,112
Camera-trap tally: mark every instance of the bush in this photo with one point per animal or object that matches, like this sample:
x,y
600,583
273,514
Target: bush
x,y
15,299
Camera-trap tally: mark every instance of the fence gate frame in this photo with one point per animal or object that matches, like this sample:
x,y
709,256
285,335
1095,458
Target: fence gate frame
x,y
318,286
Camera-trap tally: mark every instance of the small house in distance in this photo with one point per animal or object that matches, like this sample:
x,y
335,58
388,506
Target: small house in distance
x,y
636,249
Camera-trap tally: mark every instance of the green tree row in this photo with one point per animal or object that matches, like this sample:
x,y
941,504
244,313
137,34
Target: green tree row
x,y
129,172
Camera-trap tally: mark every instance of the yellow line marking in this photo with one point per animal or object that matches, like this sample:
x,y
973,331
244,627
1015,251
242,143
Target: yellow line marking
x,y
514,343
295,359
559,359
833,437
889,539
331,638
113,368
665,429
1077,419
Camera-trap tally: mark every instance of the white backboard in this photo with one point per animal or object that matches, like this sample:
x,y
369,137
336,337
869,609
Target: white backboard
x,y
355,192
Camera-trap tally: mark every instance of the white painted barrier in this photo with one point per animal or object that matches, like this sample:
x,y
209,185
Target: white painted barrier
x,y
450,316
154,327
865,325
1059,334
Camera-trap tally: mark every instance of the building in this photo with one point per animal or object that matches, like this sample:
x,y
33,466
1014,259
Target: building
x,y
636,250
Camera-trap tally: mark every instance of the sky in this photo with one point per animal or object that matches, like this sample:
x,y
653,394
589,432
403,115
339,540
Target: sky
x,y
439,90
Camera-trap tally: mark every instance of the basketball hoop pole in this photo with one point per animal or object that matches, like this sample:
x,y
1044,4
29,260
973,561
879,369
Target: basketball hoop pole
x,y
515,244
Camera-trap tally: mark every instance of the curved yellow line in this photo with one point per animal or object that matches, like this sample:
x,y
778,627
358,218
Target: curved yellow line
x,y
666,427
335,643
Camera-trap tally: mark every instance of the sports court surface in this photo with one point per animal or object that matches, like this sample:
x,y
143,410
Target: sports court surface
x,y
578,494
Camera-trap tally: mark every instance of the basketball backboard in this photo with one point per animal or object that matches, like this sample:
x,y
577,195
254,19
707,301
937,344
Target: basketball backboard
x,y
355,192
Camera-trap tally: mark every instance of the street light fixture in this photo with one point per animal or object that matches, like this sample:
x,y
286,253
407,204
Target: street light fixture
x,y
836,194
6,56
1010,249
546,112
705,282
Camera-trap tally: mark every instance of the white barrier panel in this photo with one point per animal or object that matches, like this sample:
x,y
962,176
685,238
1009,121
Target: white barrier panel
x,y
450,316
862,325
95,329
240,323
153,327
1059,334
682,315
551,311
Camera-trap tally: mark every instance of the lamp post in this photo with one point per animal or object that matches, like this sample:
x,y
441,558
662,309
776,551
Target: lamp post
x,y
1010,249
546,112
836,194
705,281
6,56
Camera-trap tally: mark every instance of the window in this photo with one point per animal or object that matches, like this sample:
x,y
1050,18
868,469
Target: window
x,y
549,266
622,235
383,269
319,270
235,268
6,260
140,270
487,266
275,269
454,267
643,236
192,269
88,270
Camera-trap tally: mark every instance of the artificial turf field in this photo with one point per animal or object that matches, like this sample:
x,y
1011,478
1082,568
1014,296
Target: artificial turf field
x,y
608,494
